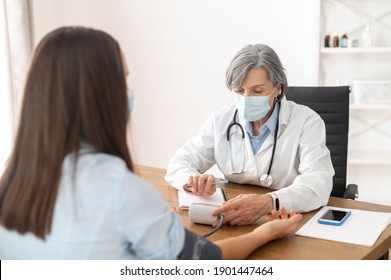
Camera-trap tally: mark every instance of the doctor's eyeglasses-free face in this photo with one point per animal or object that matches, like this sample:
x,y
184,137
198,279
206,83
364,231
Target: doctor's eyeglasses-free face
x,y
259,89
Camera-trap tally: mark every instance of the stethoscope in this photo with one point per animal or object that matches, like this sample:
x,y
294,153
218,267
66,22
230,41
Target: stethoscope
x,y
266,179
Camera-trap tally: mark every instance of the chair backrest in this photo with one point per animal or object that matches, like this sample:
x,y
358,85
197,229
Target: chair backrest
x,y
332,104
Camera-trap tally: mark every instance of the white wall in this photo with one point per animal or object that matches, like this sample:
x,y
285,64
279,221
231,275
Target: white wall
x,y
178,51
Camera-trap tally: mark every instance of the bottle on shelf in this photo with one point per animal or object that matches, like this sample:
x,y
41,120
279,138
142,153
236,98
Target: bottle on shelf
x,y
327,39
343,43
335,40
367,36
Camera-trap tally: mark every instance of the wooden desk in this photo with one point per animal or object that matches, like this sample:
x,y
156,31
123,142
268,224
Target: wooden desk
x,y
291,247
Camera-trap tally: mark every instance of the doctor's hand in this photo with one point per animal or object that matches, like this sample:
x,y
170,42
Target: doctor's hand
x,y
245,209
201,185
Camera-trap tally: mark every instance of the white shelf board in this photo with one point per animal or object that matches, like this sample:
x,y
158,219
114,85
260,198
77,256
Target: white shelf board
x,y
355,50
376,107
369,157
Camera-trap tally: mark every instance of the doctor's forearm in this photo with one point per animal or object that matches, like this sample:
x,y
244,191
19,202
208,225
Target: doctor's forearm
x,y
302,198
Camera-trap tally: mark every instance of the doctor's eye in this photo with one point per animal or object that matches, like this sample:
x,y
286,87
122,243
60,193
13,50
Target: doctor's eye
x,y
239,90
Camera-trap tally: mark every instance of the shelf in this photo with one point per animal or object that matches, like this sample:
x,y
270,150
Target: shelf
x,y
373,50
380,107
369,158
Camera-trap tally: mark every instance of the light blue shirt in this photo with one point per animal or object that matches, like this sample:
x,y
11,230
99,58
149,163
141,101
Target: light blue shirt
x,y
264,130
105,212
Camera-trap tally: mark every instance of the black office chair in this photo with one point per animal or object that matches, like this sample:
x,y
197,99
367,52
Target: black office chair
x,y
332,104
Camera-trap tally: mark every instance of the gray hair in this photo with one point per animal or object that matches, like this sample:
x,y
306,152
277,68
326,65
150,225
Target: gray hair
x,y
252,56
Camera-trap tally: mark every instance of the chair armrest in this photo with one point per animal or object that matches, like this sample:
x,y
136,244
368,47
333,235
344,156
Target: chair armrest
x,y
351,192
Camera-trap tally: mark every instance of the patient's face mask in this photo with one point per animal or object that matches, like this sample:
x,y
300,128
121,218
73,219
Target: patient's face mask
x,y
252,108
130,100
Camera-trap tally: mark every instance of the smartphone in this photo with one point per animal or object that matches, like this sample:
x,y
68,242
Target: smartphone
x,y
334,217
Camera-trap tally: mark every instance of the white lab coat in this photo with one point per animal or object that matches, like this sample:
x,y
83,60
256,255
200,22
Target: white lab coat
x,y
302,169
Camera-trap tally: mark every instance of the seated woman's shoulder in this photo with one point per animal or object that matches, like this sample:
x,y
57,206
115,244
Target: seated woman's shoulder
x,y
98,164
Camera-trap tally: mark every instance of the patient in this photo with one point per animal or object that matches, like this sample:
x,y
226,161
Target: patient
x,y
69,190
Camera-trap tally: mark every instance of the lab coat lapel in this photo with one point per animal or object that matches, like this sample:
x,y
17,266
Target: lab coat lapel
x,y
268,142
249,150
283,119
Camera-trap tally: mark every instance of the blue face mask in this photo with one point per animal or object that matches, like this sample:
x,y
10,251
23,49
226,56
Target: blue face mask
x,y
252,108
130,100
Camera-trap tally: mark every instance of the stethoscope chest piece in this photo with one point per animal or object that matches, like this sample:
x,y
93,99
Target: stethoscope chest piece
x,y
266,180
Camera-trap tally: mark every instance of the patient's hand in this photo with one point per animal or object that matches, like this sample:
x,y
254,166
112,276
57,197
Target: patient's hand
x,y
278,226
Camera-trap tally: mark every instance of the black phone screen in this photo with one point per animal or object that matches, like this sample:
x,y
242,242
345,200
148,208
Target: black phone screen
x,y
334,215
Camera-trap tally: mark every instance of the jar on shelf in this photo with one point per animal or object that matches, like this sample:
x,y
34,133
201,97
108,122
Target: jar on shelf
x,y
343,43
367,36
335,41
327,39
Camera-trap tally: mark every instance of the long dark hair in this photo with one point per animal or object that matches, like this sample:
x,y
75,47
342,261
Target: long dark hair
x,y
75,92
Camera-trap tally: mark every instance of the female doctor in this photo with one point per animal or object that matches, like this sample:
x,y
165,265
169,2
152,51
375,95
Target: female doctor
x,y
262,139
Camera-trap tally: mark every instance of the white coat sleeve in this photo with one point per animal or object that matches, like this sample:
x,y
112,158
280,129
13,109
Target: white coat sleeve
x,y
312,187
194,158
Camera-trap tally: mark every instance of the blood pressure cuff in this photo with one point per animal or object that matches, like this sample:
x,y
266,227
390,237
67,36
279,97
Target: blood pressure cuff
x,y
198,248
